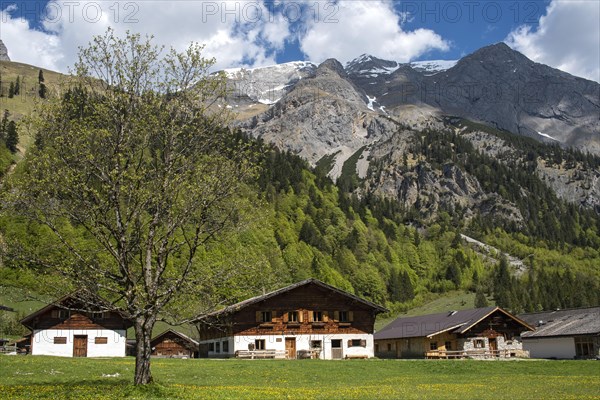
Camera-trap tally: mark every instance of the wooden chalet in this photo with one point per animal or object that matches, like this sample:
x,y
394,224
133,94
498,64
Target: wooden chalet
x,y
62,329
566,334
309,319
173,344
478,333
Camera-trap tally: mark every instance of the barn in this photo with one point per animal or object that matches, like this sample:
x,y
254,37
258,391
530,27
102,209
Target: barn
x,y
476,333
564,334
309,319
173,344
63,329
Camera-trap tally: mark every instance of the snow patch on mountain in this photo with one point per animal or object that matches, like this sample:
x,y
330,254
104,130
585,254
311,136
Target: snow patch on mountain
x,y
432,67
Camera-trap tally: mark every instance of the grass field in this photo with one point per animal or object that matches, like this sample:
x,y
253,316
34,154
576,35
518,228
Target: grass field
x,y
36,377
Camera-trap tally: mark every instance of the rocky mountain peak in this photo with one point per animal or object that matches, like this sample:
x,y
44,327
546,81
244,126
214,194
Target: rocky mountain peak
x,y
3,52
499,53
367,64
329,66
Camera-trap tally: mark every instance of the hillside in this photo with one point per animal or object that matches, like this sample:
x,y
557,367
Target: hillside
x,y
378,204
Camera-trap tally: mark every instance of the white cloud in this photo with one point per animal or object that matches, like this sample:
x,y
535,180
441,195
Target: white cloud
x,y
567,38
236,33
367,26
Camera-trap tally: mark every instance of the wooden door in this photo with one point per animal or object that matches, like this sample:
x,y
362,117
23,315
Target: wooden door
x,y
290,347
493,346
336,349
80,346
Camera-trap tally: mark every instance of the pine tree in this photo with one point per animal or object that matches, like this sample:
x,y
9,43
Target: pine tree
x,y
17,87
480,299
12,137
11,90
42,89
4,125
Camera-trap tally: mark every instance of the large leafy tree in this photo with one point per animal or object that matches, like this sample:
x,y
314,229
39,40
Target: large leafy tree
x,y
133,174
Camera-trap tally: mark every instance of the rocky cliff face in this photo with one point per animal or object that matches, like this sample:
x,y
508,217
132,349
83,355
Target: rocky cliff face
x,y
3,52
375,110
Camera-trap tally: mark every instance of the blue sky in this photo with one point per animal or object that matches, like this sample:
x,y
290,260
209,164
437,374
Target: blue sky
x,y
562,33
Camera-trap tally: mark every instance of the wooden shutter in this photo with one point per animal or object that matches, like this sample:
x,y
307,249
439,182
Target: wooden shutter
x,y
54,314
350,316
273,315
300,316
336,315
285,316
363,343
349,342
259,316
311,316
325,316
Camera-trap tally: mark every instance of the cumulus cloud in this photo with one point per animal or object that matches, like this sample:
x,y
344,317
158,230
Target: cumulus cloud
x,y
235,33
567,38
369,26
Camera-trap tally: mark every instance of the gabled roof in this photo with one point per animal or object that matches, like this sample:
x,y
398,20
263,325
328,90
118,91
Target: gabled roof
x,y
55,304
311,281
181,335
571,322
433,324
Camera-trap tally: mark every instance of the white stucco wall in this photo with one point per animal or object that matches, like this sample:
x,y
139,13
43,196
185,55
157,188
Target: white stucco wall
x,y
302,343
562,347
43,342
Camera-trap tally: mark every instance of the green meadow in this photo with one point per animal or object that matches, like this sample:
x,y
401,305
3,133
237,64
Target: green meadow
x,y
38,377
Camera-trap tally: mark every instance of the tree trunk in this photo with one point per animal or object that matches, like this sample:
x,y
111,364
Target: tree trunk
x,y
143,335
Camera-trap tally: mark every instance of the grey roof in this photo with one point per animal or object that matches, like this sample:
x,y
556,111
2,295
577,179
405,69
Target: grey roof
x,y
577,321
238,306
432,324
181,335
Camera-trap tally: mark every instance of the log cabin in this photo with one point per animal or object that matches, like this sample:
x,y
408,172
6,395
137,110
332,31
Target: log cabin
x,y
477,333
564,334
173,344
63,329
309,319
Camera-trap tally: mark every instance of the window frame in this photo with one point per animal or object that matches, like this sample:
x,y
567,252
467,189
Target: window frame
x,y
59,340
260,344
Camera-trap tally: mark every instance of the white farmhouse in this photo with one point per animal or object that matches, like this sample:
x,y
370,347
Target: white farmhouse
x,y
62,329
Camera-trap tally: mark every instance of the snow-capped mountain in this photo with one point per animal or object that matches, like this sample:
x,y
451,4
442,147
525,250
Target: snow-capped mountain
x,y
494,85
433,67
267,85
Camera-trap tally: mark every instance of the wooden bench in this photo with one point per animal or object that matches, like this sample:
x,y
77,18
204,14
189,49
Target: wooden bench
x,y
357,356
260,354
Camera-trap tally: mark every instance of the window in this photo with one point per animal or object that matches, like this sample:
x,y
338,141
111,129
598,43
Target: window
x,y
60,340
344,316
101,340
448,345
357,343
225,347
316,344
266,316
584,347
317,316
101,315
259,344
433,346
389,347
479,343
211,347
293,316
217,347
